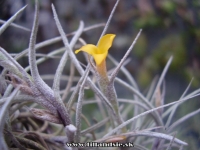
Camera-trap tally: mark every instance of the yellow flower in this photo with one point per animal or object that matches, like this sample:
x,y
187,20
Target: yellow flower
x,y
100,51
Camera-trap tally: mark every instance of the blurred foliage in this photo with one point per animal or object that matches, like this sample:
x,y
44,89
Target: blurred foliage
x,y
173,26
171,45
178,23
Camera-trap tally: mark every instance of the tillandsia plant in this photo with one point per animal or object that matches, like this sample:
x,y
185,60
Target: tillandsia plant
x,y
35,116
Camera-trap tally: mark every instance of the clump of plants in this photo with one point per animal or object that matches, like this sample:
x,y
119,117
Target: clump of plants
x,y
34,115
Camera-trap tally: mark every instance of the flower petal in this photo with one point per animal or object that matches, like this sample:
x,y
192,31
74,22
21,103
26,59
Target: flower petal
x,y
105,43
89,48
100,57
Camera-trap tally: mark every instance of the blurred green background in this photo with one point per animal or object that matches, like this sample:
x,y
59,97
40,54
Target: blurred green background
x,y
170,28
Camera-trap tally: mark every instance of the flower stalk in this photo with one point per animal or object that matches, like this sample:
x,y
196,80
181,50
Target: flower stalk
x,y
99,54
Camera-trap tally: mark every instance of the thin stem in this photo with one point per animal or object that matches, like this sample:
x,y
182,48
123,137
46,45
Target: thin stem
x,y
14,140
16,26
143,114
115,72
109,19
148,134
141,97
4,110
33,144
181,120
171,142
54,40
7,23
41,85
125,71
162,77
56,84
70,81
19,67
94,127
79,106
176,106
49,55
